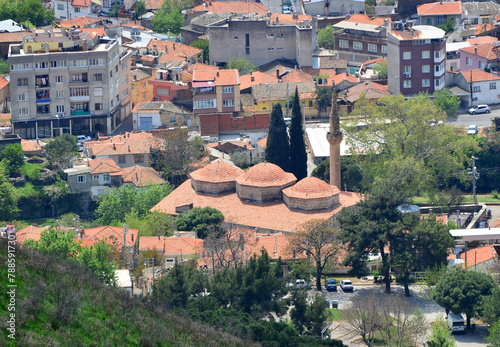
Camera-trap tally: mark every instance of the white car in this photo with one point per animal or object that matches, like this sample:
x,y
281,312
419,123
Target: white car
x,y
472,130
83,138
346,286
480,109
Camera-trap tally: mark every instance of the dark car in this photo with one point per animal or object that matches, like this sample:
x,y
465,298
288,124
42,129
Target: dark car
x,y
331,285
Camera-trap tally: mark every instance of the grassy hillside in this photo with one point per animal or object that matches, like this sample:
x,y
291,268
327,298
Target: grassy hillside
x,y
60,303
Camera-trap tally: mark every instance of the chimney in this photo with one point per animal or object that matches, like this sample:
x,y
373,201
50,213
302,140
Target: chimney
x,y
114,146
475,50
277,73
174,46
252,79
129,148
132,235
217,73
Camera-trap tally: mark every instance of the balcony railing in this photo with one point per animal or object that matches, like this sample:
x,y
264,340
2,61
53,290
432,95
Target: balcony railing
x,y
41,101
80,112
83,80
42,85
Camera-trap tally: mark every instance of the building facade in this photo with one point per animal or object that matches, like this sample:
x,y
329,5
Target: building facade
x,y
417,59
66,82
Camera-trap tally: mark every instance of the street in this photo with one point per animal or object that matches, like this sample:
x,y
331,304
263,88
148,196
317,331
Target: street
x,y
481,120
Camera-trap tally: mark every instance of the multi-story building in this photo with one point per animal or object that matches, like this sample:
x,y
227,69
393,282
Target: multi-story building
x,y
262,39
67,82
485,56
141,89
416,56
361,38
436,13
334,8
65,9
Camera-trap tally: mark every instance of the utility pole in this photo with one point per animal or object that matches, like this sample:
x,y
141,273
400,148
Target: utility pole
x,y
124,253
475,175
287,100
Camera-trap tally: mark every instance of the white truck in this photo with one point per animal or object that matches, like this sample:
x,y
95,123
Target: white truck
x,y
456,323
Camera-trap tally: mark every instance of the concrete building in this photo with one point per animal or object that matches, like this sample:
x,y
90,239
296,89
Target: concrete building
x,y
141,89
480,86
262,39
416,56
65,9
436,13
485,56
68,82
157,114
333,7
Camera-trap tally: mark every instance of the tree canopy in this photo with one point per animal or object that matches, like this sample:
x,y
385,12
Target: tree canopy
x,y
199,219
243,65
203,44
325,37
26,12
381,69
13,155
278,146
298,154
8,198
140,9
168,19
351,172
446,102
61,149
323,97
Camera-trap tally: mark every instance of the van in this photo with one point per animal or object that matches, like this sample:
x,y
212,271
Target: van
x,y
456,323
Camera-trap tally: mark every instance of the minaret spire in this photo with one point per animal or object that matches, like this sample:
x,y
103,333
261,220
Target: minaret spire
x,y
334,137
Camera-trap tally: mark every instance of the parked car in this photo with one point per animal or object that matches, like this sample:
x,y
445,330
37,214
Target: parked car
x,y
299,284
285,7
346,286
480,109
472,130
83,138
456,323
287,12
331,284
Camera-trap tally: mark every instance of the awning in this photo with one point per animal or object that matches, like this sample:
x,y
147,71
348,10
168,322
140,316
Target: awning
x,y
204,84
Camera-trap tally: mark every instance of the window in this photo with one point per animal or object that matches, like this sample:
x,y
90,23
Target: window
x,y
78,63
162,91
98,61
118,98
111,102
426,54
468,61
426,83
59,79
227,90
270,49
59,94
116,68
172,119
125,80
23,97
60,7
98,77
60,108
426,68
22,81
111,74
138,158
438,82
270,36
98,91
236,37
125,93
476,89
343,44
81,179
204,103
493,85
357,45
228,103
437,68
310,103
105,177
437,54
280,36
77,9
98,106
407,84
481,65
372,47
96,177
406,55
279,49
24,111
407,70
79,91
121,159
384,49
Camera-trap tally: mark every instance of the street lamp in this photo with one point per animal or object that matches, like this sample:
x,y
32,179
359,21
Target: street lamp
x,y
58,124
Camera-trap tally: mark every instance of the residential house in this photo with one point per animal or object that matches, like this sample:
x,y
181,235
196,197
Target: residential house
x,y
66,9
226,8
171,83
321,76
141,176
485,56
368,89
361,38
33,147
483,259
481,40
436,13
113,236
141,89
416,57
479,12
480,87
262,39
31,232
237,151
4,93
334,8
216,124
453,54
9,26
196,29
7,39
158,114
174,249
125,83
255,78
80,22
174,51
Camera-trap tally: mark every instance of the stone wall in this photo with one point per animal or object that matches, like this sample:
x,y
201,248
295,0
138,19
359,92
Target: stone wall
x,y
260,194
310,204
213,188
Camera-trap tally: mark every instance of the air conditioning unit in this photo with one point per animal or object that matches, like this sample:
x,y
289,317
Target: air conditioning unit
x,y
408,74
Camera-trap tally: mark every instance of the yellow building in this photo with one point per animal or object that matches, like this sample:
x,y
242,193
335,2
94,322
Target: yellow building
x,y
141,89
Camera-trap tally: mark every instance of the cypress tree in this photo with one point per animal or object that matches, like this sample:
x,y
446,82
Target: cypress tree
x,y
277,146
298,154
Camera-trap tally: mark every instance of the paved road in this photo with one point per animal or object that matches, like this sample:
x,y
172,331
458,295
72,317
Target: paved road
x,y
124,127
481,120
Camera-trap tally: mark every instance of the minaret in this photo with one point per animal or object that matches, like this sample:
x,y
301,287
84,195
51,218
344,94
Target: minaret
x,y
334,137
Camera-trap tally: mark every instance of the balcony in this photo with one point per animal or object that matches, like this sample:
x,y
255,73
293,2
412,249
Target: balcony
x,y
42,97
42,81
80,112
42,101
440,58
43,111
438,73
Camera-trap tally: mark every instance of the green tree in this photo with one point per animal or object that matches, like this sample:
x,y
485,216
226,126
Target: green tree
x,y
203,44
4,67
447,102
168,19
199,219
323,98
13,155
320,241
299,310
59,243
278,146
448,26
243,65
494,337
381,69
462,291
32,11
351,172
440,334
115,9
316,315
8,199
325,37
99,261
298,154
490,307
140,9
61,149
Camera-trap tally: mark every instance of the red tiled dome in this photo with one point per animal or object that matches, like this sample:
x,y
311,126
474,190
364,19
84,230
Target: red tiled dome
x,y
266,175
311,187
217,172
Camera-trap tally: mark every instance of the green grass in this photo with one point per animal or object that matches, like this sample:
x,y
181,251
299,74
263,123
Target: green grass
x,y
28,190
29,168
335,314
468,199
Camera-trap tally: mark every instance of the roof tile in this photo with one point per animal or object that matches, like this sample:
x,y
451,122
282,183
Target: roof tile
x,y
228,7
142,176
266,175
221,77
217,172
479,75
440,8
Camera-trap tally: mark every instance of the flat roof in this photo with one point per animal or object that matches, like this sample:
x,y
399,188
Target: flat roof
x,y
418,32
359,26
476,234
455,46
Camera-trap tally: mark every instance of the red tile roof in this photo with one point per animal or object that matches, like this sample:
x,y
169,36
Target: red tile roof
x,y
228,7
3,82
13,37
81,3
311,187
221,77
296,76
487,51
112,235
372,90
102,165
142,176
94,31
217,172
30,233
344,77
364,19
440,8
372,61
257,77
130,143
174,51
200,66
482,28
247,214
495,224
266,175
153,4
288,18
181,245
481,40
262,142
330,72
479,75
32,145
80,22
480,255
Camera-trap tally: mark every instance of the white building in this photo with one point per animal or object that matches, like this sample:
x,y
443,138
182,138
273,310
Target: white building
x,y
64,9
484,86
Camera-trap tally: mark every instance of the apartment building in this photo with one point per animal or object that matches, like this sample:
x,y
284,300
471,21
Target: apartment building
x,y
67,82
65,9
416,56
262,39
